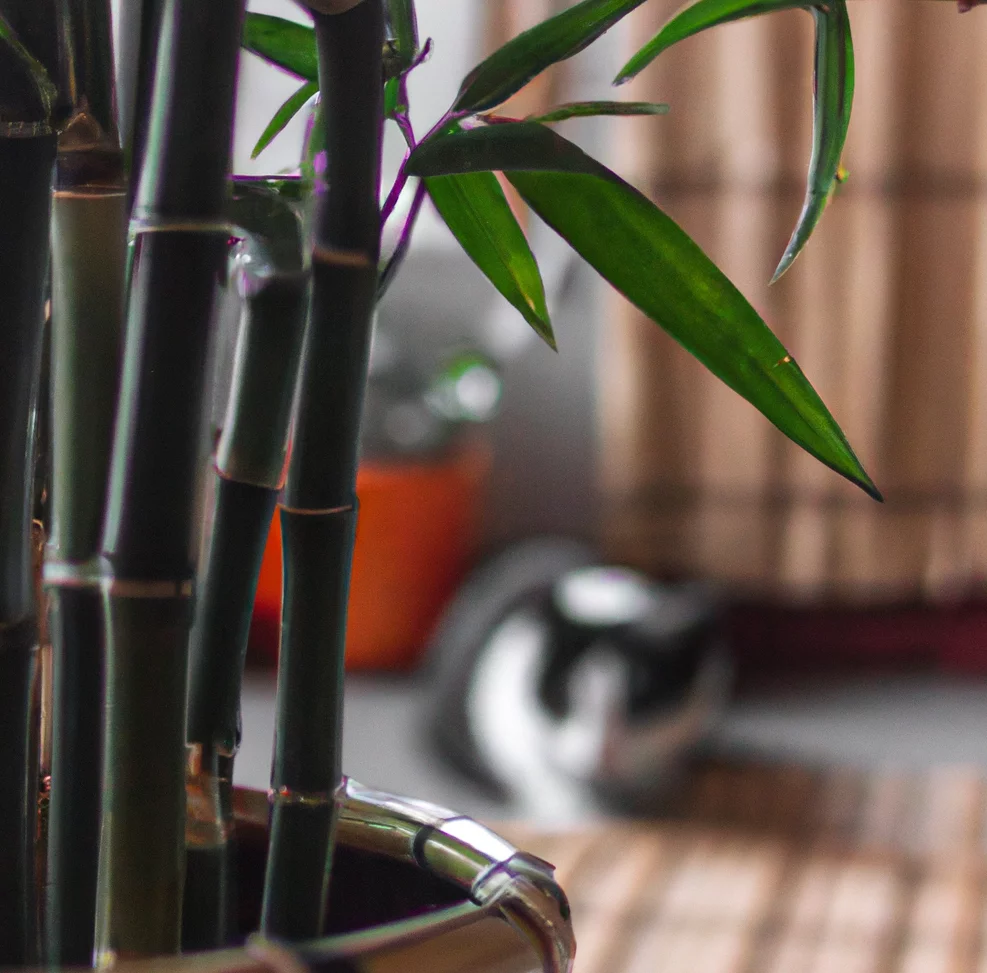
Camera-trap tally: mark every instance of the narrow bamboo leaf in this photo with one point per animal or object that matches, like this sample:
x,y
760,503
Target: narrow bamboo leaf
x,y
695,17
284,115
582,109
474,207
657,266
833,97
512,66
284,43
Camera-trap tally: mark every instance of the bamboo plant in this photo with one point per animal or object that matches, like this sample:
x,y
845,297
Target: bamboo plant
x,y
126,510
318,509
29,115
271,277
609,223
180,239
89,203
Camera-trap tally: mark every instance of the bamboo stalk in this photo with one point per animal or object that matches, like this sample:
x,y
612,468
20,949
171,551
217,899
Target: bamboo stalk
x,y
88,257
139,26
180,241
318,512
28,61
249,467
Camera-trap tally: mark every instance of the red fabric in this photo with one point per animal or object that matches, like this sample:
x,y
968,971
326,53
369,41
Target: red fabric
x,y
769,638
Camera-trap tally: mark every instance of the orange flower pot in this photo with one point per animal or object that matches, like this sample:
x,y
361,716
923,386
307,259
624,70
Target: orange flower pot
x,y
417,535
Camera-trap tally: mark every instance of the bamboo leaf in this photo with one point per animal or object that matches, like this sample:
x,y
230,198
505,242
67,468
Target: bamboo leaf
x,y
285,114
696,17
475,209
833,97
658,267
512,66
833,88
582,109
504,146
283,43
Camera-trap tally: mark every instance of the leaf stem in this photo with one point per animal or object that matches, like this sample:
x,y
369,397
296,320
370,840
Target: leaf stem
x,y
404,242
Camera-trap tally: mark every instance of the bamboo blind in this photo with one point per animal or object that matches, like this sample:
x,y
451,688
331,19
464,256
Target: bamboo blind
x,y
778,869
886,310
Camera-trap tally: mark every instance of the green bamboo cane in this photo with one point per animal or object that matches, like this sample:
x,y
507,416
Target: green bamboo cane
x,y
180,240
272,279
29,63
138,27
318,512
88,257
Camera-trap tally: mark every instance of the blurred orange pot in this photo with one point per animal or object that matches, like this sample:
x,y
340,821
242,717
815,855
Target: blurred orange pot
x,y
417,535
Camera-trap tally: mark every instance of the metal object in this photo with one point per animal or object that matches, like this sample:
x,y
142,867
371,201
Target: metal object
x,y
481,903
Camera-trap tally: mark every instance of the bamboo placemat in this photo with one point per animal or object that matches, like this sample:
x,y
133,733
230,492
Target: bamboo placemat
x,y
778,869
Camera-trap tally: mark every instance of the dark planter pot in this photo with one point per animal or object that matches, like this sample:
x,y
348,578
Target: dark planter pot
x,y
415,887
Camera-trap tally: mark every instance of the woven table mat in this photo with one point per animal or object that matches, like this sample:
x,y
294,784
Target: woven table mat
x,y
780,869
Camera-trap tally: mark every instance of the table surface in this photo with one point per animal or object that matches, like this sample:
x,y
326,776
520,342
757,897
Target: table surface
x,y
838,827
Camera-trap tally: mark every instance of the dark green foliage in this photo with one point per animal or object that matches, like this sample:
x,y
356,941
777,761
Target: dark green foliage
x,y
491,236
512,66
833,97
587,109
696,17
292,106
282,42
832,88
633,244
474,207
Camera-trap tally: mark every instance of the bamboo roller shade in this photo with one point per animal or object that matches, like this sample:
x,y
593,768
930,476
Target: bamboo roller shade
x,y
779,869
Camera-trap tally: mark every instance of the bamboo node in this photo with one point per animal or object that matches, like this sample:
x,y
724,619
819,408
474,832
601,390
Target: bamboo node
x,y
317,511
286,795
135,588
342,258
148,224
70,574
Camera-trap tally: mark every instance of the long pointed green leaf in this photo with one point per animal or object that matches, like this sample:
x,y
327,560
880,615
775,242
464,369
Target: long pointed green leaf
x,y
512,66
284,43
583,109
657,266
285,114
696,17
475,209
833,96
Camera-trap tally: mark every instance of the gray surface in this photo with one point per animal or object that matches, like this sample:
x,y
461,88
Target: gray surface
x,y
911,722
